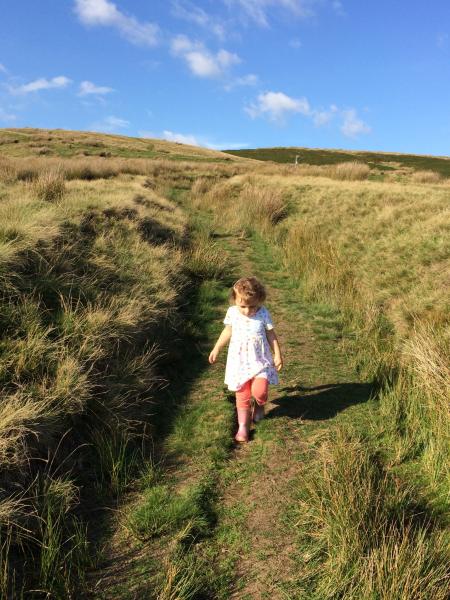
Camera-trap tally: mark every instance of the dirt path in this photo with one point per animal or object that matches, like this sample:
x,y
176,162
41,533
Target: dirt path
x,y
259,485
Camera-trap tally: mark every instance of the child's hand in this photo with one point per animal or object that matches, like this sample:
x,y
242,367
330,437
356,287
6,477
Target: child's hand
x,y
213,355
278,362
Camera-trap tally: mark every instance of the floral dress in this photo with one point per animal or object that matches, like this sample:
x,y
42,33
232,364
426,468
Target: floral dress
x,y
249,353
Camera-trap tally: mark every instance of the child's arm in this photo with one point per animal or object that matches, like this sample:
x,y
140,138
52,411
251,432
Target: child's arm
x,y
275,347
223,340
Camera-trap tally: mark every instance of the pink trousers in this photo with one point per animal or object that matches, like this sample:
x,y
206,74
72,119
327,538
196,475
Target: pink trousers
x,y
256,387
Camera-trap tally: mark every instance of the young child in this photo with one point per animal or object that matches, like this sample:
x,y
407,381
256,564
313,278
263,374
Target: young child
x,y
250,365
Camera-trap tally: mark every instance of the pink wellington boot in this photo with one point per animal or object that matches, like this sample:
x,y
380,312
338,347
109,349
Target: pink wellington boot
x,y
244,424
258,412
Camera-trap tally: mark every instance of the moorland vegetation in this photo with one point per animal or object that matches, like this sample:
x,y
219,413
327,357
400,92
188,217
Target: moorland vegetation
x,y
105,244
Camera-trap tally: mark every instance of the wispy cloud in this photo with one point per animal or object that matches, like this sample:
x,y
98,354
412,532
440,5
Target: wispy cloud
x,y
245,80
106,14
3,69
183,9
277,105
88,88
321,117
258,10
295,43
200,61
338,7
192,140
41,84
353,126
110,124
442,40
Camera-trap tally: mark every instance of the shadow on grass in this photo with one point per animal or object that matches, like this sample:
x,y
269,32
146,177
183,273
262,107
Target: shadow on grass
x,y
186,342
320,402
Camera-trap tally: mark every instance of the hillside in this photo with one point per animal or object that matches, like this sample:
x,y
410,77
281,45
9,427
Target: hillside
x,y
70,144
382,161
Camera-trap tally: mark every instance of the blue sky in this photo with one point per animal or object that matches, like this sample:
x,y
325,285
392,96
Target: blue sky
x,y
350,74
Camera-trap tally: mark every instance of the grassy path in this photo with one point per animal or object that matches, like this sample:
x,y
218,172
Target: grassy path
x,y
256,530
227,528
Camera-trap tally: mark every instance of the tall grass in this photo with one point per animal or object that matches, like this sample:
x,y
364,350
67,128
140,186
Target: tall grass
x,y
91,168
88,286
49,186
426,177
377,252
415,408
366,537
245,206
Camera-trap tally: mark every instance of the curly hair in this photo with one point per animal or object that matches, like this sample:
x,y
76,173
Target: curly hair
x,y
250,289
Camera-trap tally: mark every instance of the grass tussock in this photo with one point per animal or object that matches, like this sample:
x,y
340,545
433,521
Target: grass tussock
x,y
426,177
366,536
49,186
206,260
350,171
245,204
414,408
162,511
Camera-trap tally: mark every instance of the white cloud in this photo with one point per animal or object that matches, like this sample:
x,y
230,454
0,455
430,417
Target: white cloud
x,y
227,59
3,69
200,60
353,125
277,105
87,88
257,10
106,14
41,84
295,43
187,11
192,140
110,124
180,137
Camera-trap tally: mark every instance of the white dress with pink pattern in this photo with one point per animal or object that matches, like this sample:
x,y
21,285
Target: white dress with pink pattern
x,y
249,353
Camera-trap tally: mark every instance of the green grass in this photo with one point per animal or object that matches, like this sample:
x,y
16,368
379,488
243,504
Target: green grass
x,y
176,509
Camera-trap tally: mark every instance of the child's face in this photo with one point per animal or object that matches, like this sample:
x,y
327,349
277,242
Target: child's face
x,y
245,306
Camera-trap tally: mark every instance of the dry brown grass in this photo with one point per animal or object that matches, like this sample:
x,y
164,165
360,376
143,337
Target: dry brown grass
x,y
49,185
244,203
346,171
91,168
350,171
426,177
